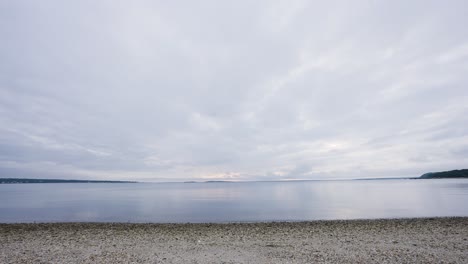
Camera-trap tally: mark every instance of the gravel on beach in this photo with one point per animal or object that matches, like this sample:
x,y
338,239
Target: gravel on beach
x,y
423,240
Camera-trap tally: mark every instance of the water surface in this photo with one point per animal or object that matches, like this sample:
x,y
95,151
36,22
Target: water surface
x,y
232,202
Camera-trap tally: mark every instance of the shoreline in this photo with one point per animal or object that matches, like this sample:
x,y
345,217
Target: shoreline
x,y
230,222
439,239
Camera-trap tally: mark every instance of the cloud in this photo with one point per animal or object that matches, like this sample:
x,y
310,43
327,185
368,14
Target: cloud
x,y
265,90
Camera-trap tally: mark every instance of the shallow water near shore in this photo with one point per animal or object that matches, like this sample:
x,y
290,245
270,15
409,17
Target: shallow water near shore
x,y
232,202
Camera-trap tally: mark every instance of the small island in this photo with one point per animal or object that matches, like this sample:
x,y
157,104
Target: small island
x,y
453,174
25,180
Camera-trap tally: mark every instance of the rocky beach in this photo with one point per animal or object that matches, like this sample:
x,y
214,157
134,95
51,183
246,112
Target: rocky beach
x,y
423,240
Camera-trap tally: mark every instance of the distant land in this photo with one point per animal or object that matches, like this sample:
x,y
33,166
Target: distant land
x,y
23,180
446,174
453,174
211,181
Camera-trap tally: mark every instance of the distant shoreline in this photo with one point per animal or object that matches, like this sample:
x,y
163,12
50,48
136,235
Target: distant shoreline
x,y
453,174
26,180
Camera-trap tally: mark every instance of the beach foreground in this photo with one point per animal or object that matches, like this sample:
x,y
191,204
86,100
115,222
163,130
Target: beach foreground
x,y
441,240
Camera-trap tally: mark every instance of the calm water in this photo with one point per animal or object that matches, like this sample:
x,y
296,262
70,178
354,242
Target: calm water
x,y
232,202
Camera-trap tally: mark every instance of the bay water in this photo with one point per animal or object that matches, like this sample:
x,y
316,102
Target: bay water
x,y
232,201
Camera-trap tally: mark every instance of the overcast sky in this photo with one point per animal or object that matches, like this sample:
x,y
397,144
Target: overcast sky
x,y
232,90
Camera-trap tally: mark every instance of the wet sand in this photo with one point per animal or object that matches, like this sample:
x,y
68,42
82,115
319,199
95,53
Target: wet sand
x,y
426,240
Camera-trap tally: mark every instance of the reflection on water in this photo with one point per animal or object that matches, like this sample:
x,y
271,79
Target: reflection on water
x,y
226,202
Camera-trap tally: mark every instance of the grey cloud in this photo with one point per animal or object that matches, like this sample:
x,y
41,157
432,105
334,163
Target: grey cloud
x,y
244,90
